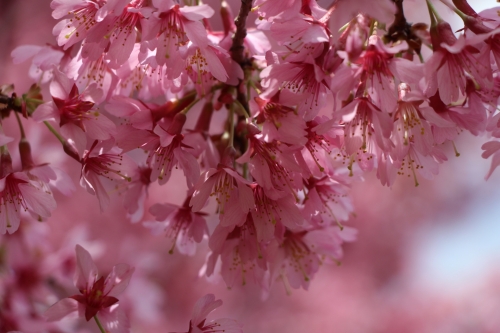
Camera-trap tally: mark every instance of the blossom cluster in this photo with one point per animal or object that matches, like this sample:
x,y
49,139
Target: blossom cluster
x,y
269,125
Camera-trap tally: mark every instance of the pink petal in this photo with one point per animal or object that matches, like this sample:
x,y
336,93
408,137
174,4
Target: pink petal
x,y
118,279
114,319
214,64
202,191
203,307
196,33
46,111
61,309
5,139
24,52
86,270
196,13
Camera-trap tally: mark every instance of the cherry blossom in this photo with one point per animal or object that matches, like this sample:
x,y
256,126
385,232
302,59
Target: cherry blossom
x,y
98,296
202,309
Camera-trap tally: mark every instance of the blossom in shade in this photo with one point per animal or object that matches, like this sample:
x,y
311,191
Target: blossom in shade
x,y
232,192
171,28
239,253
280,122
451,63
183,227
298,255
365,134
98,165
115,35
271,164
269,212
19,193
202,309
170,151
98,295
492,148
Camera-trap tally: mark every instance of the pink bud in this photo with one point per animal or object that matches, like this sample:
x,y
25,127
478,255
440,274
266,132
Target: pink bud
x,y
25,153
70,149
177,124
5,164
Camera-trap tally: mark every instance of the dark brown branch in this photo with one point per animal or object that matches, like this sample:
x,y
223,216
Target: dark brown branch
x,y
237,49
402,30
7,104
241,32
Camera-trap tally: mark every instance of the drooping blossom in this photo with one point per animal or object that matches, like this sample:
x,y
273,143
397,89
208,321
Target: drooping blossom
x,y
239,252
491,148
19,193
232,193
45,58
170,150
136,192
451,63
98,165
269,212
379,69
279,122
297,256
170,29
183,227
271,164
98,295
114,37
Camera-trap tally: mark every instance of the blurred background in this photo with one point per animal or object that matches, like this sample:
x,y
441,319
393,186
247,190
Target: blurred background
x,y
426,259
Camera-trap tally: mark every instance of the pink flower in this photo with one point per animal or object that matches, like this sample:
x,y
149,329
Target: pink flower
x,y
240,255
81,20
97,166
280,122
98,295
298,256
269,212
378,69
180,224
114,37
136,193
273,168
74,112
302,83
491,148
321,140
201,309
18,192
366,134
232,193
327,201
450,64
171,28
170,151
44,60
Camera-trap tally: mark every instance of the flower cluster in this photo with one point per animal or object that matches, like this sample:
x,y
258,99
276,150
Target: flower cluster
x,y
269,139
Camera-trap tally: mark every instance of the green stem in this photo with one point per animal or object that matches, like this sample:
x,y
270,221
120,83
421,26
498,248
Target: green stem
x,y
242,108
23,135
433,13
231,125
187,108
52,129
99,324
455,9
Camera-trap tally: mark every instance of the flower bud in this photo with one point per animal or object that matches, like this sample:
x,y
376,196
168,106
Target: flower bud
x,y
177,124
25,153
5,164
